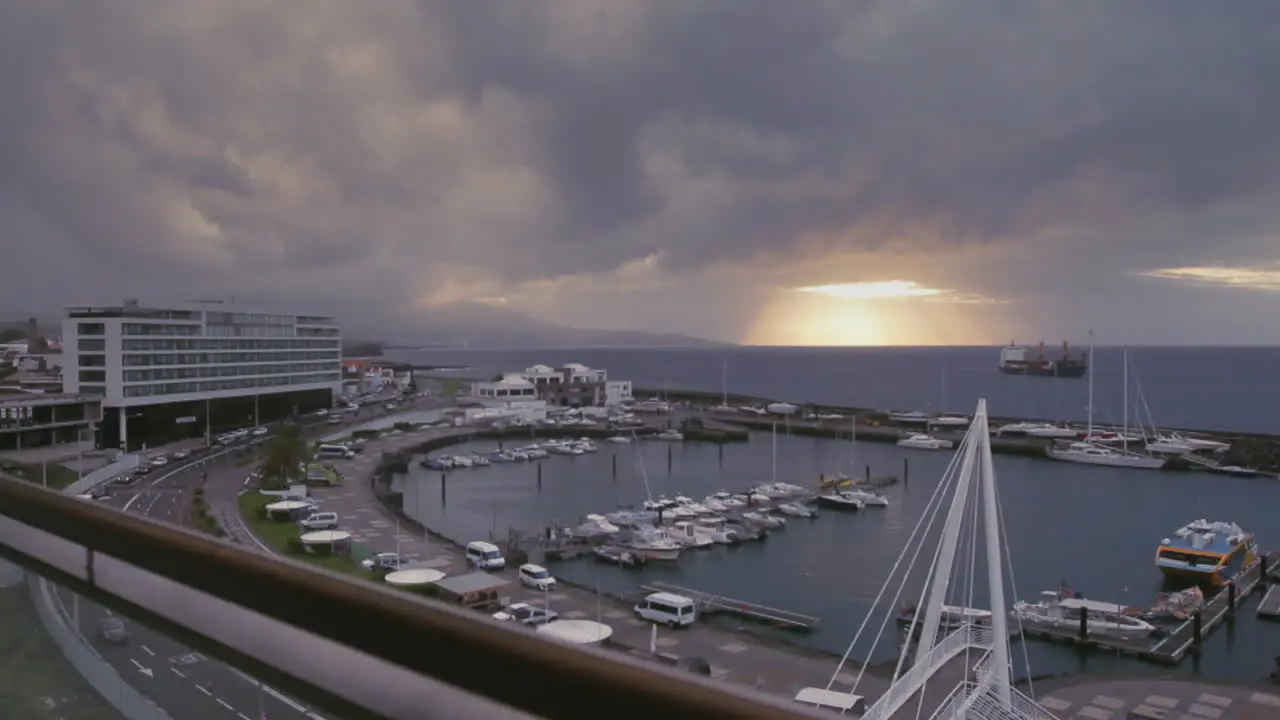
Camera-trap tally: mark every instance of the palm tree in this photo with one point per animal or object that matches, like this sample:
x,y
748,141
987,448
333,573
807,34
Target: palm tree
x,y
283,453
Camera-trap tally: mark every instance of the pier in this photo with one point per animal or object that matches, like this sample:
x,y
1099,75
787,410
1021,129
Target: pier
x,y
1171,647
1269,607
712,604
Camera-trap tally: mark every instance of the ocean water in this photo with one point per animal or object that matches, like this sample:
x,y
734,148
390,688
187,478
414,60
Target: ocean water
x,y
1183,387
1095,528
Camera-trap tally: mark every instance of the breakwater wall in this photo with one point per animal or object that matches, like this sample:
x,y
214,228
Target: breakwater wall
x,y
1251,450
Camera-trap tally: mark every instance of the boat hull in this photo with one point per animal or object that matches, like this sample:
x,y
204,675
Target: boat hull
x,y
1213,577
1047,369
1137,462
833,504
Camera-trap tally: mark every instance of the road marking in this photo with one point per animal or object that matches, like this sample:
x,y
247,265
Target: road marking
x,y
204,690
142,668
314,716
148,651
177,672
225,704
287,701
129,504
243,716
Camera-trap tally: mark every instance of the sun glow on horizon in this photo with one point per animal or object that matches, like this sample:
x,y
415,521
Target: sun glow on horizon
x,y
1250,278
872,290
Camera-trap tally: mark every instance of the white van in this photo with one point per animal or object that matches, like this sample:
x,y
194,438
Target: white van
x,y
485,556
334,451
667,609
536,577
320,521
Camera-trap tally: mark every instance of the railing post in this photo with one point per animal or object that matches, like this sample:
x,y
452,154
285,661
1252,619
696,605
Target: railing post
x,y
1231,597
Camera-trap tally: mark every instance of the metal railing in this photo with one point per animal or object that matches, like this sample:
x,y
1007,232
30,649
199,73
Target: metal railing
x,y
352,648
906,686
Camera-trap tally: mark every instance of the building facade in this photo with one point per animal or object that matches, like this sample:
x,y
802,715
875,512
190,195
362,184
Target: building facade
x,y
185,371
38,420
571,385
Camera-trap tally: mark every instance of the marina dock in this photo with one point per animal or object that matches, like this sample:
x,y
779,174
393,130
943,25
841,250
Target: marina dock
x,y
712,604
1171,647
1269,606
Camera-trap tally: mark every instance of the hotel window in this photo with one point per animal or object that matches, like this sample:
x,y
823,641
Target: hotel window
x,y
93,361
93,390
86,328
93,376
91,345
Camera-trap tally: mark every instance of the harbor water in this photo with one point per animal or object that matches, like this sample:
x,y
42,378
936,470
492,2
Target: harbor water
x,y
1094,528
1184,387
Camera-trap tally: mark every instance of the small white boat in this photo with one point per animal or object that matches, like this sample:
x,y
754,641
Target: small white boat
x,y
921,441
839,500
909,418
462,461
585,445
670,435
1089,454
729,501
654,544
952,616
691,535
1103,618
797,510
619,440
713,504
955,421
764,519
595,526
1041,430
868,498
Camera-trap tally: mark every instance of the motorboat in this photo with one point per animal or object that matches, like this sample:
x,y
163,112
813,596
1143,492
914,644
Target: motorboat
x,y
1235,471
1089,454
619,556
1207,552
694,507
922,441
654,544
618,440
1040,430
952,616
730,501
868,498
713,504
1058,609
690,535
909,418
839,500
670,435
479,460
746,532
438,463
718,530
764,519
585,445
595,526
632,518
797,510
461,461
951,421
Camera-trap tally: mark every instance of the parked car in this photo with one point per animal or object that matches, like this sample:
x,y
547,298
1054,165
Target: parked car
x,y
113,630
536,577
320,521
382,561
526,614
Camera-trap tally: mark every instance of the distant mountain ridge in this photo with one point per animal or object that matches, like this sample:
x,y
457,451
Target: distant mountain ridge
x,y
478,326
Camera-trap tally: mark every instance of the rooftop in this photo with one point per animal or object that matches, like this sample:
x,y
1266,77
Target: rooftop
x,y
1204,536
471,583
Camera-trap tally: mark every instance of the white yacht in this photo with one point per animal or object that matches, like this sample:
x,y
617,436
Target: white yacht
x,y
462,461
1104,618
839,500
765,519
868,498
691,534
716,528
921,441
951,421
713,504
1088,454
1174,443
728,500
694,507
619,440
909,418
595,526
585,445
670,435
654,544
797,510
1041,430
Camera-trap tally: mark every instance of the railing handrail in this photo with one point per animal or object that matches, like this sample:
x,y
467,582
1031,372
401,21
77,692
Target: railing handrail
x,y
458,648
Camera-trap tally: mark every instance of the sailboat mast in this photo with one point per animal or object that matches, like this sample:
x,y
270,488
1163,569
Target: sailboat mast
x,y
1091,373
1126,399
724,382
774,473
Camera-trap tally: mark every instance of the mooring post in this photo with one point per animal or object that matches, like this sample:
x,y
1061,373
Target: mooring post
x,y
668,459
1196,630
444,487
867,474
615,466
1084,624
906,470
539,477
1231,596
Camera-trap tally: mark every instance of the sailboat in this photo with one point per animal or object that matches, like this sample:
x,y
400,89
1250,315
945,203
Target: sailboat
x,y
866,497
1089,452
944,419
724,388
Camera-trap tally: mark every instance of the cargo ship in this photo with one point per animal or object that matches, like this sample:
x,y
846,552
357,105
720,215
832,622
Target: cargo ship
x,y
1206,553
1015,360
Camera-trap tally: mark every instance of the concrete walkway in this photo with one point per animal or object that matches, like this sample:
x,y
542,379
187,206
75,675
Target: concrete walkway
x,y
1160,699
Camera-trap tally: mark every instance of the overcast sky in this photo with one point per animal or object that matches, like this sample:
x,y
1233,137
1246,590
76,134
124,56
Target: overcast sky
x,y
1006,169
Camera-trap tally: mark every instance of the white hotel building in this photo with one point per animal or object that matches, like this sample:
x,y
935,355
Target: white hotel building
x,y
571,385
184,371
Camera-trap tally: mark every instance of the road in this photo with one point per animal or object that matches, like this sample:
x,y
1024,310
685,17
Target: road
x,y
180,680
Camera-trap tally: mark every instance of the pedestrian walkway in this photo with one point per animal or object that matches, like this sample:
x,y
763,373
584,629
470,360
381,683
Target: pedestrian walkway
x,y
1159,700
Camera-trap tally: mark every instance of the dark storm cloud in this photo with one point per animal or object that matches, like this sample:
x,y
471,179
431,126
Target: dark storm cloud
x,y
286,146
